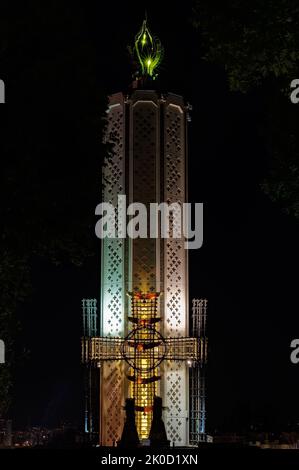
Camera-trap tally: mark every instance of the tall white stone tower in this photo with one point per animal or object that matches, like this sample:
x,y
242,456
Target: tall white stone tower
x,y
144,281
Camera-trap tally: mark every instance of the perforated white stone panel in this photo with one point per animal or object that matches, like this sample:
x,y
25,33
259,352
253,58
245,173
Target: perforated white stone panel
x,y
176,402
176,380
112,278
112,319
112,401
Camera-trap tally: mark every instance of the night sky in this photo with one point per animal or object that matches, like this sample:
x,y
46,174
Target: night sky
x,y
247,267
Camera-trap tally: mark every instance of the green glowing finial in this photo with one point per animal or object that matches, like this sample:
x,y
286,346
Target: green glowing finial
x,y
149,51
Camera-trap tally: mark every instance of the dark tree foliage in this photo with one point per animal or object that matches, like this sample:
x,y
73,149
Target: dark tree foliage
x,y
51,150
257,43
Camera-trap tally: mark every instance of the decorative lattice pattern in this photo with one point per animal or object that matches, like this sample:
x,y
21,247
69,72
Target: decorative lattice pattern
x,y
112,279
111,410
145,145
176,403
113,289
175,315
175,274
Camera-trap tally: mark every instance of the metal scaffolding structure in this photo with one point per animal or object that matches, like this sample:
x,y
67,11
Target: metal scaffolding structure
x,y
197,375
91,377
99,349
144,349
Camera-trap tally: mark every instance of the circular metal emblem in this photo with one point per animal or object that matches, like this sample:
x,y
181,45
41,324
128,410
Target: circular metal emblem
x,y
144,348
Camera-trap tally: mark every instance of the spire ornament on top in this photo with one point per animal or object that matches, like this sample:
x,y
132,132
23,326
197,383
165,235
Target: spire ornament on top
x,y
148,51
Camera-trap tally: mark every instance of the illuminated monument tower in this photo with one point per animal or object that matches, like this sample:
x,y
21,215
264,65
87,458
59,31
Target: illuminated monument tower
x,y
146,347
